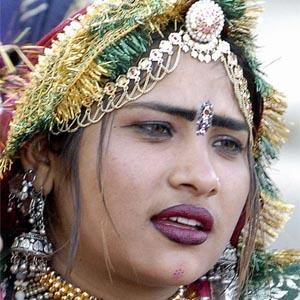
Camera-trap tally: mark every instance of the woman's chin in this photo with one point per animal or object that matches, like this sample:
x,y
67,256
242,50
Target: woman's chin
x,y
176,278
175,273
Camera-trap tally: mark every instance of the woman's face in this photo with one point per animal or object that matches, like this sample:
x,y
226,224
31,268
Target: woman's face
x,y
155,167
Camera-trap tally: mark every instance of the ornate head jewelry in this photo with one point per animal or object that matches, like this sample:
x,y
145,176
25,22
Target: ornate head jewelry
x,y
30,250
204,118
204,23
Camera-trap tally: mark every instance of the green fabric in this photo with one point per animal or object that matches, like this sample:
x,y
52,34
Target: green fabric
x,y
118,57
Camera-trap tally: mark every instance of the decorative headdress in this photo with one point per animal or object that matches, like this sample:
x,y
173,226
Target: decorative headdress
x,y
84,71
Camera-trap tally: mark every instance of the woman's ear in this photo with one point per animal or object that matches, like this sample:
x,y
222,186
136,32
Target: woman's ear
x,y
36,156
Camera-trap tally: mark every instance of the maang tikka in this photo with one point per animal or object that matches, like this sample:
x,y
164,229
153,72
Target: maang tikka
x,y
30,250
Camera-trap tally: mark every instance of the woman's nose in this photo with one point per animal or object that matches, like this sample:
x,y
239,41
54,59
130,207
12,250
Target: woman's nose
x,y
193,170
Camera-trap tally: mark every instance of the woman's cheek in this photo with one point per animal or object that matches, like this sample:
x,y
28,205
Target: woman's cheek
x,y
235,185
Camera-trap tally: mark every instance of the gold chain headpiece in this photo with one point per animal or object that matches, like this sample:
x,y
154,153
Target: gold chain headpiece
x,y
204,24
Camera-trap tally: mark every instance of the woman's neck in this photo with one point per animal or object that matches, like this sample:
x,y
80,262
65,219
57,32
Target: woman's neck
x,y
94,279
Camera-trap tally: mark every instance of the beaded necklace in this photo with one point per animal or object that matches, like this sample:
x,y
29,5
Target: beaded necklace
x,y
52,286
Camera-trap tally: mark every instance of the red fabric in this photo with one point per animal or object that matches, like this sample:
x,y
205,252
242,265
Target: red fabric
x,y
200,288
238,229
204,290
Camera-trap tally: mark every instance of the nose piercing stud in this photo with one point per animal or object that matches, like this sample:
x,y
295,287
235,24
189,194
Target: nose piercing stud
x,y
204,118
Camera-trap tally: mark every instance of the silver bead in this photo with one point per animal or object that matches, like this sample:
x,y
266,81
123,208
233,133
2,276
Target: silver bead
x,y
21,275
215,277
17,283
32,268
24,196
42,231
19,295
25,189
226,281
23,267
14,269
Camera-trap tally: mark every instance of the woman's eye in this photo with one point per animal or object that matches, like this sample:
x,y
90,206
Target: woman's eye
x,y
228,146
154,129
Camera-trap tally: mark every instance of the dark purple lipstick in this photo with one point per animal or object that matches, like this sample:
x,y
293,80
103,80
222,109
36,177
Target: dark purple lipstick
x,y
184,224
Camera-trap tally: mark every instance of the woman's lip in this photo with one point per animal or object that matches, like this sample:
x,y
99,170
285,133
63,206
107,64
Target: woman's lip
x,y
199,214
186,235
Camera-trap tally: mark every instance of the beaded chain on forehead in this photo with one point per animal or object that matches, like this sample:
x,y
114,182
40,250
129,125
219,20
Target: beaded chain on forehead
x,y
201,37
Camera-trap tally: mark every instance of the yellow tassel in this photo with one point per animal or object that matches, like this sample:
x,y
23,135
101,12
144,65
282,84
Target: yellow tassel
x,y
273,126
286,257
273,217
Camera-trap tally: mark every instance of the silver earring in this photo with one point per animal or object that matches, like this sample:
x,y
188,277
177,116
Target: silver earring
x,y
204,118
19,196
30,250
223,277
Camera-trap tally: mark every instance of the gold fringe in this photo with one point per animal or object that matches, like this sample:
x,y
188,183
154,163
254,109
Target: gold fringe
x,y
273,126
286,257
173,12
273,217
86,84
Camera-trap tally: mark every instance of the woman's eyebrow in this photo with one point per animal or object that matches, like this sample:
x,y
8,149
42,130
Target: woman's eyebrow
x,y
190,115
229,123
184,113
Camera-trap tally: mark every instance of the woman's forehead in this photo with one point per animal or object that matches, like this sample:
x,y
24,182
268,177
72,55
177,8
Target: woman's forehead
x,y
192,83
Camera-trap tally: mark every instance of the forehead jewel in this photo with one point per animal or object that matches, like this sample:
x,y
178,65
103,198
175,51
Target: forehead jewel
x,y
205,21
